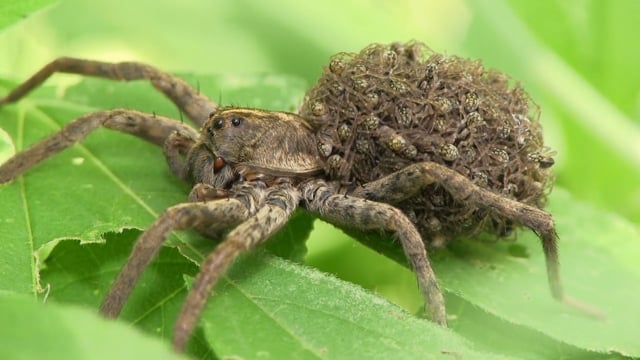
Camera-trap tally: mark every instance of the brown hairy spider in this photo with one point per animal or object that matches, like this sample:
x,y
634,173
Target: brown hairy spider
x,y
388,140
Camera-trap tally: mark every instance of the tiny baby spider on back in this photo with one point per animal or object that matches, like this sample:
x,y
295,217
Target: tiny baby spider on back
x,y
395,138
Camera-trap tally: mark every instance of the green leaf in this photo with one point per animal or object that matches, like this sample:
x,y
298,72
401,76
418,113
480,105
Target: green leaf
x,y
69,204
263,306
55,331
13,11
598,256
504,284
284,310
81,274
96,188
577,59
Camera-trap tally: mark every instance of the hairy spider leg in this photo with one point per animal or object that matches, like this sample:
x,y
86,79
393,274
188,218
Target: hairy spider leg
x,y
202,216
197,106
411,180
279,203
363,214
175,149
153,128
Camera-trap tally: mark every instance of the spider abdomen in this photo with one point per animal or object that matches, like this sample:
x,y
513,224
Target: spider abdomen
x,y
389,106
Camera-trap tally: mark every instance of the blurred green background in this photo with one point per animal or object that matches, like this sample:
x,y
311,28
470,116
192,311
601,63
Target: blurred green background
x,y
578,58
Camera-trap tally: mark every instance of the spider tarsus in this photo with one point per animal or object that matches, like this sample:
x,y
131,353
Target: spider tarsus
x,y
210,271
590,310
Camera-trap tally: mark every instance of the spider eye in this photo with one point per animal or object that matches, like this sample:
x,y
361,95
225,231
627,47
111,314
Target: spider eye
x,y
218,124
236,121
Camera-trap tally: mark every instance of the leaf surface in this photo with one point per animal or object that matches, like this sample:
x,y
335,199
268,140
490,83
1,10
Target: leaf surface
x,y
55,331
98,188
14,11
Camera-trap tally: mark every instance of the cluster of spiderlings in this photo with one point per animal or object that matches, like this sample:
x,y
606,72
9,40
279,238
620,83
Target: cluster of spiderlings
x,y
388,106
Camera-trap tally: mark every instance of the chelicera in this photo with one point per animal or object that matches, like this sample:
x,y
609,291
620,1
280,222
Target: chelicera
x,y
416,144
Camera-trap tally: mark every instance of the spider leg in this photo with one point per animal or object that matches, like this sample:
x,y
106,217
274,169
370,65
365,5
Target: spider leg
x,y
206,192
362,214
410,181
279,203
176,147
189,100
153,128
205,217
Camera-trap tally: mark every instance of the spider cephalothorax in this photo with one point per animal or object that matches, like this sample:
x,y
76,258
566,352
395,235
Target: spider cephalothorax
x,y
386,141
244,139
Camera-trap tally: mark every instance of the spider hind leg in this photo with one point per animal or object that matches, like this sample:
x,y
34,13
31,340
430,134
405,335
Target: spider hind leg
x,y
366,215
411,180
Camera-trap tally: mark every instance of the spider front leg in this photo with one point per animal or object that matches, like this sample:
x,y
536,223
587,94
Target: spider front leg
x,y
260,214
279,203
189,100
153,128
205,217
362,214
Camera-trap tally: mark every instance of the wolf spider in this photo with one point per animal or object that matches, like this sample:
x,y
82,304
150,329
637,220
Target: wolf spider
x,y
250,169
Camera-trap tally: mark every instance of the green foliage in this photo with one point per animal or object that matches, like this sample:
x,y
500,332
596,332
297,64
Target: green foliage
x,y
268,305
265,306
284,300
13,11
53,331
